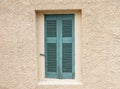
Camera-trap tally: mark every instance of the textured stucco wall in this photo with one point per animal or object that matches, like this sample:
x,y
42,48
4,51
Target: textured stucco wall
x,y
100,43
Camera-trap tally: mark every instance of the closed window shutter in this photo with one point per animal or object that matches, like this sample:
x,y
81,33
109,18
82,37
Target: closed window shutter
x,y
59,46
68,46
51,46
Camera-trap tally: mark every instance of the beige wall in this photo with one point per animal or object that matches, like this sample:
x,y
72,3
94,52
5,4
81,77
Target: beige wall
x,y
100,47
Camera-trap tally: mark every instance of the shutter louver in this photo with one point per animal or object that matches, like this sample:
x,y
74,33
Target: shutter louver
x,y
51,57
67,28
67,57
51,25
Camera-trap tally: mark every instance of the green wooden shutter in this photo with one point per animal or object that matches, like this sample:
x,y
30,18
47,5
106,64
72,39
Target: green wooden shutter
x,y
59,46
51,46
68,46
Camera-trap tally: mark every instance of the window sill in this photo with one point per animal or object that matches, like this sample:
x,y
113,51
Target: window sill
x,y
59,82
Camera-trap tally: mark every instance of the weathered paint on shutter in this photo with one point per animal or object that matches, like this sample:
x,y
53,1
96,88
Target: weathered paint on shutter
x,y
51,46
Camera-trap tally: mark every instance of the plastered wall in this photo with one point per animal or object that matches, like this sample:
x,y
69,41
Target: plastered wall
x,y
100,43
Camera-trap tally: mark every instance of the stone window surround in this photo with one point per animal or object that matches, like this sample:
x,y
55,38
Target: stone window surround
x,y
40,48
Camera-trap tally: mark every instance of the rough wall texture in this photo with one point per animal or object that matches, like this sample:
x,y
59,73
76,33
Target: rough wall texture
x,y
100,43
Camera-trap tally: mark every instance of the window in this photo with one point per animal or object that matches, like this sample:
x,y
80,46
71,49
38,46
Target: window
x,y
59,46
58,77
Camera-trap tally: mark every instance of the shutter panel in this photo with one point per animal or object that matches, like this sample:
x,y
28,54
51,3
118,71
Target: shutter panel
x,y
59,46
68,46
51,46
